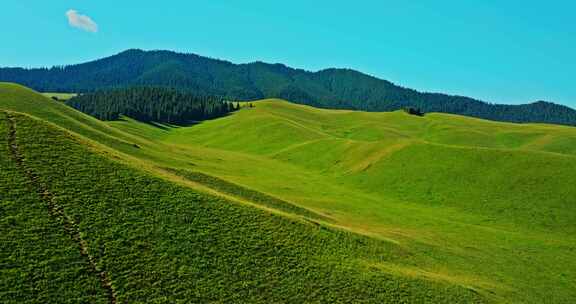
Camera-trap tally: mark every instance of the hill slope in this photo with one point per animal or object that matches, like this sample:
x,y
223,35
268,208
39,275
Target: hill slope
x,y
143,239
312,205
158,242
330,88
420,181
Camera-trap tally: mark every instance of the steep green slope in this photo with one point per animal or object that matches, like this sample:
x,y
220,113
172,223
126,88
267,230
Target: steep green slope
x,y
446,201
39,263
329,88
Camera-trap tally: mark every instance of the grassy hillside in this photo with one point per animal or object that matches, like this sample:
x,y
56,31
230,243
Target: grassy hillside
x,y
374,206
160,242
420,181
39,263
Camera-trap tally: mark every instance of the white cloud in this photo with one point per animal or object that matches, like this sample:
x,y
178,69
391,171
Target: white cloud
x,y
82,22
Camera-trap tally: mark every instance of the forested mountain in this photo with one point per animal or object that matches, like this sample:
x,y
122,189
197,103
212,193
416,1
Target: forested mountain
x,y
330,88
151,104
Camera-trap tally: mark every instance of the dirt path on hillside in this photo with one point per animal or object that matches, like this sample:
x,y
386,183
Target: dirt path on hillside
x,y
56,210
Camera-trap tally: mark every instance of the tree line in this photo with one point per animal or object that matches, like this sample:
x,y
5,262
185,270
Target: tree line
x,y
149,104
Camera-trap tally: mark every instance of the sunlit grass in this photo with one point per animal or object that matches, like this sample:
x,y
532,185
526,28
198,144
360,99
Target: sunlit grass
x,y
465,202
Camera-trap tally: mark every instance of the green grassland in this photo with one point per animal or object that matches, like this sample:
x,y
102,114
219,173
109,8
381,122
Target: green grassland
x,y
288,203
39,263
161,242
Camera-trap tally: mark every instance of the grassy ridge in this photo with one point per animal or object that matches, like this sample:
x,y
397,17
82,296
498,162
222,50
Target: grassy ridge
x,y
161,242
307,123
21,99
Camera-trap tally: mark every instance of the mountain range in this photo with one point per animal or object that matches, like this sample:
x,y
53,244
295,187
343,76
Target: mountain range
x,y
329,88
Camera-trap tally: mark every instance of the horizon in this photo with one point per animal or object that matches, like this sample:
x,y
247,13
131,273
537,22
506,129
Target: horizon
x,y
480,51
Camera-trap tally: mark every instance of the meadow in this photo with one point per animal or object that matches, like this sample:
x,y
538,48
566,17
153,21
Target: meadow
x,y
288,203
39,263
161,242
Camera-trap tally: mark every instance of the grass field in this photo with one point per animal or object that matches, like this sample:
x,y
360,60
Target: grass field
x,y
39,263
380,207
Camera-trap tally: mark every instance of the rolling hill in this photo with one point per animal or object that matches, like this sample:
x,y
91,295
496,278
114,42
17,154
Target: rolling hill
x,y
329,88
284,203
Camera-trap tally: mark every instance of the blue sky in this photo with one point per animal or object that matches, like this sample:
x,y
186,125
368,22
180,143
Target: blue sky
x,y
499,51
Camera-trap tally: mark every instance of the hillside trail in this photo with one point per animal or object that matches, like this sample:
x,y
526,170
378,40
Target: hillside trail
x,y
56,210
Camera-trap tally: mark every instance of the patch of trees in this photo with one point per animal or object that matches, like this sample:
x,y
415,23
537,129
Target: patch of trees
x,y
413,111
152,104
330,88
